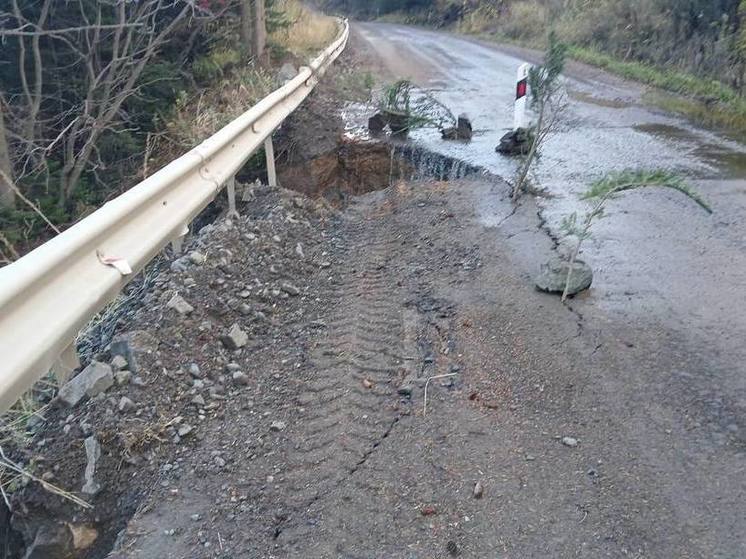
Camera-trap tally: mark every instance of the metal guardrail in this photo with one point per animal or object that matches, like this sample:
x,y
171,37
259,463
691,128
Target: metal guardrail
x,y
50,294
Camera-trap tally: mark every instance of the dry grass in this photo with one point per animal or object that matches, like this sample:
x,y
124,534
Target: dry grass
x,y
308,33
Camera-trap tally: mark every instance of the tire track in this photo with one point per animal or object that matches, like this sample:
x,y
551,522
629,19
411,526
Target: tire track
x,y
350,399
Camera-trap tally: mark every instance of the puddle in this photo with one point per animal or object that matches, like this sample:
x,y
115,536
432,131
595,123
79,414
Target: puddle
x,y
585,97
730,164
666,132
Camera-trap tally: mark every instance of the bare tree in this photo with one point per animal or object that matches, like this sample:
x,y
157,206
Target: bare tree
x,y
260,30
7,196
247,37
112,46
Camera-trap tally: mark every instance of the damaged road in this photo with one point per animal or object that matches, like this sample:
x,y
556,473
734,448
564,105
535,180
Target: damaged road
x,y
383,380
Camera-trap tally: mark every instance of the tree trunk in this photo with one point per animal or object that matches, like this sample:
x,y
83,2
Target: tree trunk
x,y
246,25
260,30
7,196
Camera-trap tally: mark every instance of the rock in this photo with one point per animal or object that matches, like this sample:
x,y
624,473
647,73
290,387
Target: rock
x,y
553,275
134,346
179,304
290,289
462,130
194,370
91,381
570,441
122,377
406,387
184,430
180,265
126,405
198,401
51,541
235,338
197,258
286,73
299,250
377,123
478,490
118,363
93,453
515,142
83,536
277,426
240,378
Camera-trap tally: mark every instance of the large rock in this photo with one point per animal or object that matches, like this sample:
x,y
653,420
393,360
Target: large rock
x,y
515,142
52,541
91,381
553,276
134,346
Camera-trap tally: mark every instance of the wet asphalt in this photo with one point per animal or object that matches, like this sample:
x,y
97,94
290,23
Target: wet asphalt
x,y
665,319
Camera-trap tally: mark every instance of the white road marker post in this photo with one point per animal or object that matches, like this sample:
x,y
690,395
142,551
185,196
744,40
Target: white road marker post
x,y
521,95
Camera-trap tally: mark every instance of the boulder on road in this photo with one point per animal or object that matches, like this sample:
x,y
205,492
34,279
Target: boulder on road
x,y
462,130
515,142
553,276
91,381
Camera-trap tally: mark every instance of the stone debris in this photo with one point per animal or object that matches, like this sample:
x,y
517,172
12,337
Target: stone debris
x,y
240,378
179,304
118,363
290,289
197,258
277,426
570,441
478,490
133,346
91,381
235,338
126,405
93,453
122,377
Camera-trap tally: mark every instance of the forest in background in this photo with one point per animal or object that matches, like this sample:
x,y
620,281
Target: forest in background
x,y
96,95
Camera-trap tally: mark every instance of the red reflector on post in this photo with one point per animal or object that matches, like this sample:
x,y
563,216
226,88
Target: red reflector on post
x,y
521,89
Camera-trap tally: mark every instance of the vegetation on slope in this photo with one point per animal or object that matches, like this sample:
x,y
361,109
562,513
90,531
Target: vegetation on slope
x,y
96,95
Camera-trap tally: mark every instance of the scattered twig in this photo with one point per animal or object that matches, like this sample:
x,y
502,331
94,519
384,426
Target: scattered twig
x,y
427,382
5,462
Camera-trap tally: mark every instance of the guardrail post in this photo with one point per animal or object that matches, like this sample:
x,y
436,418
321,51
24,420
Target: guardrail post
x,y
66,364
231,190
269,150
177,245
